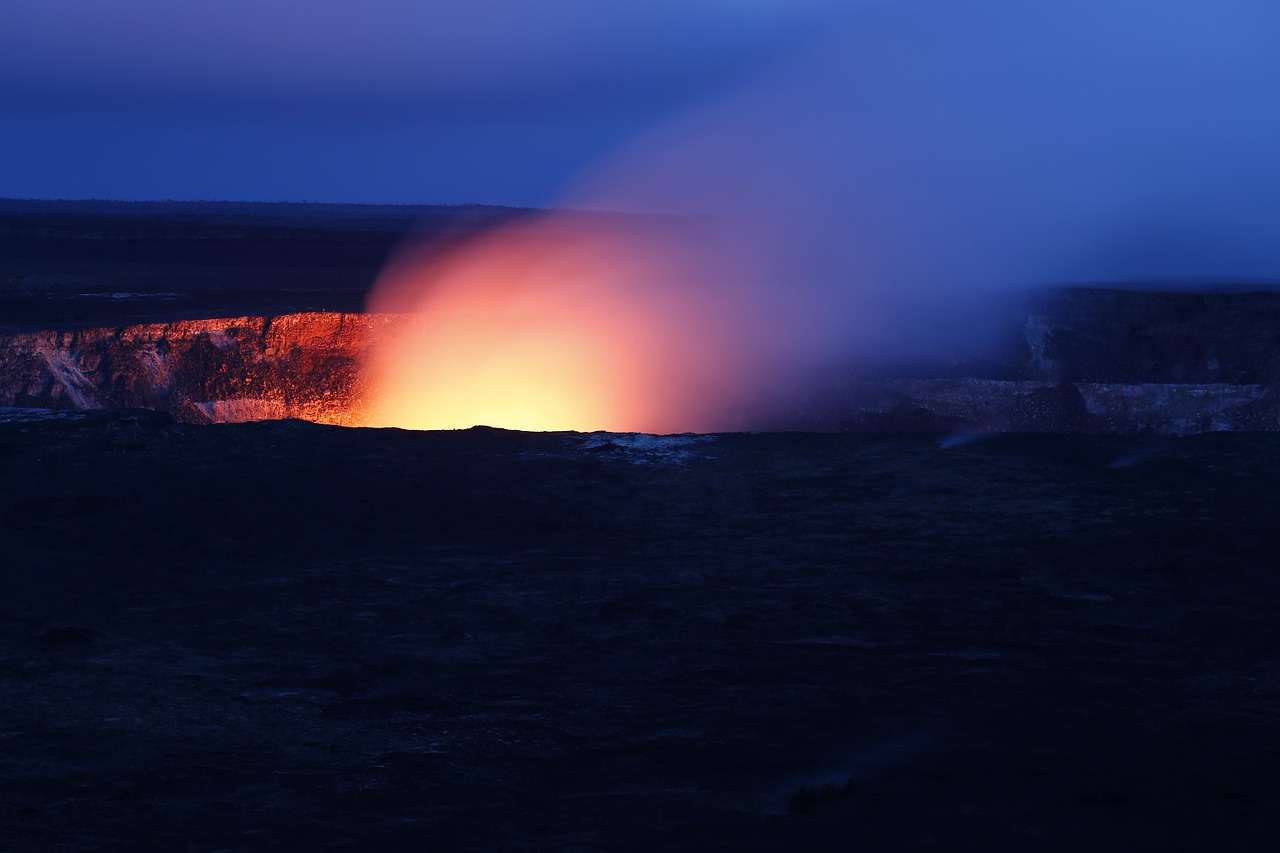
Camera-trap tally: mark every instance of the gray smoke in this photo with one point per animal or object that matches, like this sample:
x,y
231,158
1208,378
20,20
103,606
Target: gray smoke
x,y
882,194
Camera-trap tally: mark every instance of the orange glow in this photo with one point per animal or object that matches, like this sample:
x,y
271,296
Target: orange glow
x,y
557,325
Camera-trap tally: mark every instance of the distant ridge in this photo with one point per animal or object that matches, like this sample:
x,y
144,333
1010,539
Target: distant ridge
x,y
258,210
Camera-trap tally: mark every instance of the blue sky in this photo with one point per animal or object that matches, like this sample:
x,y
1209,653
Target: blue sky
x,y
495,101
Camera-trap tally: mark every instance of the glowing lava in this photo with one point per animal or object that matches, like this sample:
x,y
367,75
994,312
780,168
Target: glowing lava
x,y
562,324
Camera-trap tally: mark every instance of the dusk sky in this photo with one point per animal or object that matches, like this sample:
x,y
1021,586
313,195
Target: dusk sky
x,y
494,101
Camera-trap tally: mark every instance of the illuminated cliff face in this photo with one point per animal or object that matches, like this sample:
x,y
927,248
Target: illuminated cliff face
x,y
223,370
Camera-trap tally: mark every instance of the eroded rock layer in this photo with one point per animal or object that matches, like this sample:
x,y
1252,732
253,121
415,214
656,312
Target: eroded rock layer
x,y
222,370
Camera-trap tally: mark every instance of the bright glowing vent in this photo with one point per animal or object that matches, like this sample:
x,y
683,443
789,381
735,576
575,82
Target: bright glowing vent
x,y
560,324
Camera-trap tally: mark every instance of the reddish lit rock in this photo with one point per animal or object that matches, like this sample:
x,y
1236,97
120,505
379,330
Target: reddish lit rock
x,y
221,370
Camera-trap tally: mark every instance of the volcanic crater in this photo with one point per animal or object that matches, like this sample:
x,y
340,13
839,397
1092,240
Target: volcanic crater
x,y
1079,360
219,313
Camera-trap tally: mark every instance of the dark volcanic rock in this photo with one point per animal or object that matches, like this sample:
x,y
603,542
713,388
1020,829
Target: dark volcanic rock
x,y
288,636
1061,408
67,637
1083,334
987,405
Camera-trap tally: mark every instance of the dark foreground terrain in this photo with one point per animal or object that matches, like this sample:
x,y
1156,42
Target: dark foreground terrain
x,y
288,636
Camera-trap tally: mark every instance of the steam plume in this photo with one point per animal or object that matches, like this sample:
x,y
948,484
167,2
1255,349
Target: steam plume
x,y
875,199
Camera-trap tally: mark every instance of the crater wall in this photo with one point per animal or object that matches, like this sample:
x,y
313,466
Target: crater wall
x,y
1079,360
301,365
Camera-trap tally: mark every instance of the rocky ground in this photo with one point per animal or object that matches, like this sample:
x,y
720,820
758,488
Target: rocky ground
x,y
283,635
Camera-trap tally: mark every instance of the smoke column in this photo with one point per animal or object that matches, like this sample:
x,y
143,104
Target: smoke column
x,y
874,200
